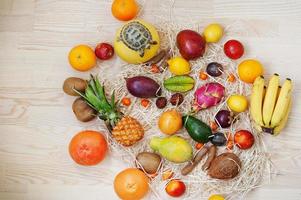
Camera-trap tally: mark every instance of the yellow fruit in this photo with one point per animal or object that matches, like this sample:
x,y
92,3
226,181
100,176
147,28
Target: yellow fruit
x,y
237,103
82,58
216,197
136,42
179,66
213,32
170,122
128,131
249,70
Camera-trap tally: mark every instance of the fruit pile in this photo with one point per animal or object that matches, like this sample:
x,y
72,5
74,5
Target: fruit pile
x,y
180,108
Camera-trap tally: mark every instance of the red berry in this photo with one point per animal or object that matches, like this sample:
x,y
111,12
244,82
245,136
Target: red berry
x,y
233,49
104,51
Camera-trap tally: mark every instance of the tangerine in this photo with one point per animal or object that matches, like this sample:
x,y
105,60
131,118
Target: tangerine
x,y
82,57
124,10
249,70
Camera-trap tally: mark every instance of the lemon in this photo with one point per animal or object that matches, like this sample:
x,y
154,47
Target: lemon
x,y
216,197
178,66
213,32
237,103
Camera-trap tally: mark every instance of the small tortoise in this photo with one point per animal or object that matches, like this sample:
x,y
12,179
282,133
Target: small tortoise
x,y
136,37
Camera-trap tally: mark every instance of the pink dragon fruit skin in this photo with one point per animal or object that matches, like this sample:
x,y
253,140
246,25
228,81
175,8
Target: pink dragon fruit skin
x,y
209,95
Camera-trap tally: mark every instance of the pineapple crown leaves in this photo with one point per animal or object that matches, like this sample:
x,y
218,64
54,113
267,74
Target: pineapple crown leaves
x,y
95,97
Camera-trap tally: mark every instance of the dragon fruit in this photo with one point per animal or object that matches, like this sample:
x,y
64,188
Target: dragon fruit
x,y
209,95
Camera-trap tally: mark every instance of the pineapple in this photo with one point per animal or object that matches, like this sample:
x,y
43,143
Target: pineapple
x,y
126,130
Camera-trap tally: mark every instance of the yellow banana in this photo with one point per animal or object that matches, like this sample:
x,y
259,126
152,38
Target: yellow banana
x,y
256,100
283,122
282,103
270,100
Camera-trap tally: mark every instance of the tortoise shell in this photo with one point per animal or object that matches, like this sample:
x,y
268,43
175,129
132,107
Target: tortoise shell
x,y
136,37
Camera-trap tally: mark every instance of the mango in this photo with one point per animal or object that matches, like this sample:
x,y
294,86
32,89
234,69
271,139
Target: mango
x,y
181,83
173,148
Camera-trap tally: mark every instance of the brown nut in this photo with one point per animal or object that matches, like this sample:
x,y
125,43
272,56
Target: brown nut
x,y
176,99
161,102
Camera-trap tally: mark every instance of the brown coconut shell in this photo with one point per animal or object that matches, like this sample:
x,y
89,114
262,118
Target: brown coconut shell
x,y
225,166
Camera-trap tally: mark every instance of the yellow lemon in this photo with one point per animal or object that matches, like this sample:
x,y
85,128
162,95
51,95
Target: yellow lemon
x,y
249,70
179,66
237,103
216,197
136,42
213,32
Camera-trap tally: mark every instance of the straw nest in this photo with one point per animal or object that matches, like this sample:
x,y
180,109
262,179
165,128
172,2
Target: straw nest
x,y
256,165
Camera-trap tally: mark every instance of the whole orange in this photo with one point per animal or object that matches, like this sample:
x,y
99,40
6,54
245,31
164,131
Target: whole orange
x,y
82,57
170,122
124,10
249,70
131,184
88,147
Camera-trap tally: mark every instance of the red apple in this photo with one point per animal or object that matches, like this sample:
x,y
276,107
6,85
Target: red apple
x,y
191,44
244,139
175,188
104,51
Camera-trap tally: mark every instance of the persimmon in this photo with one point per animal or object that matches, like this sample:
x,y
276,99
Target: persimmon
x,y
88,147
124,10
131,184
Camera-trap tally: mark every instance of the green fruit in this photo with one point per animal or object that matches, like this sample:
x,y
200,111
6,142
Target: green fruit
x,y
198,130
179,83
173,148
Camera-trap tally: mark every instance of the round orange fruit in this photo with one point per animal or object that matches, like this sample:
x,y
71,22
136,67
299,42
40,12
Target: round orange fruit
x,y
88,147
82,57
249,70
131,184
170,122
124,10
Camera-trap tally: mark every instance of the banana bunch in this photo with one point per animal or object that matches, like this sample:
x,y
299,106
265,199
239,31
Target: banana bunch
x,y
270,106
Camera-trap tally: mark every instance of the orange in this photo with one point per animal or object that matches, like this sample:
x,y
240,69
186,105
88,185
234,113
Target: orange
x,y
88,147
170,122
124,10
131,184
82,57
249,70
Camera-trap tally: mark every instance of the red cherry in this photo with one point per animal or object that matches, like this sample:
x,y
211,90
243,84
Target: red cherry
x,y
244,139
104,51
233,49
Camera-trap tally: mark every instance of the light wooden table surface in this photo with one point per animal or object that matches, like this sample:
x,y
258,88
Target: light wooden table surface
x,y
36,121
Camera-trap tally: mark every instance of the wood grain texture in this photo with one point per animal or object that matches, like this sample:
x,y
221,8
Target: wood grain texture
x,y
36,121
